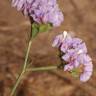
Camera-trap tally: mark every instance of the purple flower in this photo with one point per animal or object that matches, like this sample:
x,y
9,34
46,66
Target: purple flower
x,y
71,58
75,61
76,42
73,43
41,11
82,47
88,68
74,54
85,76
66,44
65,41
58,40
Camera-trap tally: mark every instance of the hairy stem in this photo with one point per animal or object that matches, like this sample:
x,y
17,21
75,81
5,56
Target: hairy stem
x,y
23,69
46,68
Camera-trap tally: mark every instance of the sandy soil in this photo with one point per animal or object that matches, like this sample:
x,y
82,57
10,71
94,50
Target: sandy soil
x,y
80,18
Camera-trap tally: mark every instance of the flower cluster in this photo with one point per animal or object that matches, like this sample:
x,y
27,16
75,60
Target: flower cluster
x,y
41,11
74,54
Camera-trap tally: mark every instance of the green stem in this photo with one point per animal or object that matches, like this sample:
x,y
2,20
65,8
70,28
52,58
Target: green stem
x,y
46,68
23,69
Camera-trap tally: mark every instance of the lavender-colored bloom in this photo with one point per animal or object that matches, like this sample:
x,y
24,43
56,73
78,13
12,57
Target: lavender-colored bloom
x,y
66,42
76,42
88,69
75,55
84,59
69,55
58,40
82,47
73,43
42,11
68,67
74,61
71,58
85,76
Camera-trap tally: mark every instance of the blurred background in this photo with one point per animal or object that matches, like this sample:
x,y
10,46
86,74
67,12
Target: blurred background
x,y
80,18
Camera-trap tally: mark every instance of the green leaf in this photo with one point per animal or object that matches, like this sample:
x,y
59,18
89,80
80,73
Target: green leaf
x,y
35,30
45,27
